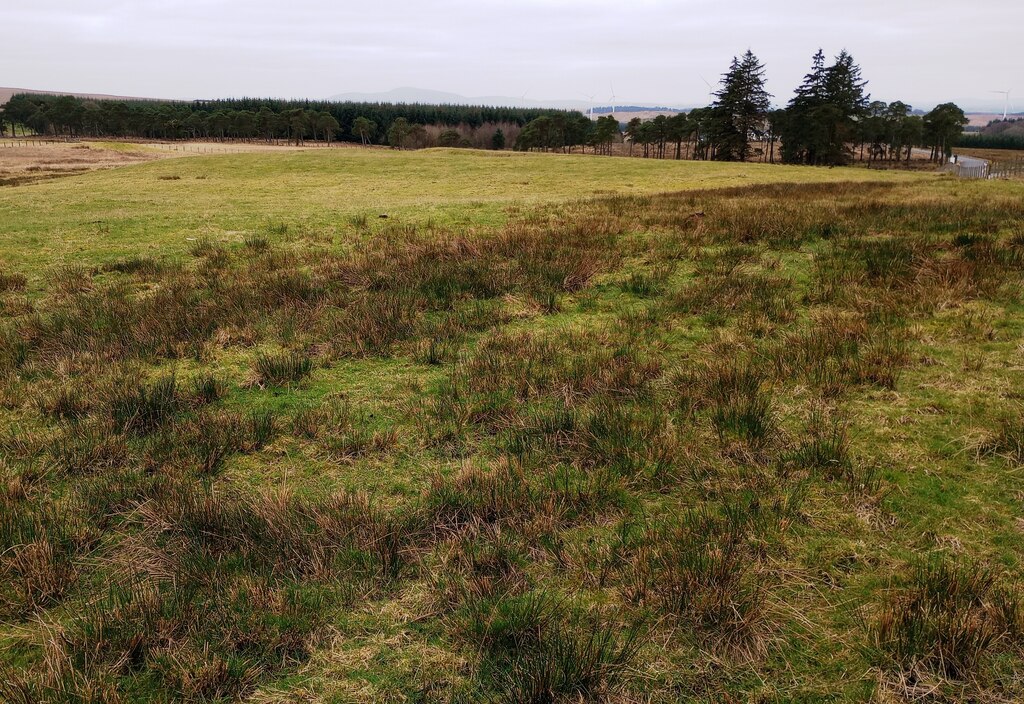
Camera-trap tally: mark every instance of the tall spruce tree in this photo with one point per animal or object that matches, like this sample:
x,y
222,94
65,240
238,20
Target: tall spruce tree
x,y
823,116
740,108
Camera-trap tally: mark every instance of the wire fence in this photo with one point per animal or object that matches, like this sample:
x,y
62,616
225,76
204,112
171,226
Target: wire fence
x,y
1006,169
16,143
180,147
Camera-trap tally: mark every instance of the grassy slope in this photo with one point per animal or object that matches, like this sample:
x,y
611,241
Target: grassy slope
x,y
824,575
99,216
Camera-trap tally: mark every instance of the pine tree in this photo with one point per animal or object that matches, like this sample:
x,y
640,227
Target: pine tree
x,y
800,143
740,110
824,115
498,140
941,127
844,91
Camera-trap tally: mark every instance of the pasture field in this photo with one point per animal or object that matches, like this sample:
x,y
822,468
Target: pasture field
x,y
163,206
992,154
557,429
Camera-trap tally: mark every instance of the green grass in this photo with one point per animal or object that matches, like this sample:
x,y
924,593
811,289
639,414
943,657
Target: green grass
x,y
516,442
128,211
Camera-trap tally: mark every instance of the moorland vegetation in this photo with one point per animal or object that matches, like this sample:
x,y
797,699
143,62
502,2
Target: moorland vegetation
x,y
749,443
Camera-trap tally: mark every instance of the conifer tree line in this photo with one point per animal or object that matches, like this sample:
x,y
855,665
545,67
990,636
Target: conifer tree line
x,y
256,119
830,120
1011,138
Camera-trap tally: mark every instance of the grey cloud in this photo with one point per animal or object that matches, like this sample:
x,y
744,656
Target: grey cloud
x,y
922,51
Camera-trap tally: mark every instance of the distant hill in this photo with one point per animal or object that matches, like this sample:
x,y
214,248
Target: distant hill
x,y
982,119
1011,127
638,108
6,93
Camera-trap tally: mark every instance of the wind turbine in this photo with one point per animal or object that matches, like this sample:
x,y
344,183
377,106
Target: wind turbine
x,y
1006,101
711,88
612,98
590,109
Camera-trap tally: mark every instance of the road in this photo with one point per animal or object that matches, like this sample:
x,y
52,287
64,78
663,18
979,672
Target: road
x,y
965,167
970,161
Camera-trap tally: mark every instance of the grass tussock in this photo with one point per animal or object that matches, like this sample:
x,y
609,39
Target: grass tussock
x,y
702,572
537,648
947,623
282,369
12,281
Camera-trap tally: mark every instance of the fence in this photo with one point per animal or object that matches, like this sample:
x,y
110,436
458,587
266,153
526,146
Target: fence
x,y
980,171
1006,169
183,147
14,143
1009,168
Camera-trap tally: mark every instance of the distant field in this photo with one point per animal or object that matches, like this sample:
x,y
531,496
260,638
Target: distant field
x,y
981,119
992,154
162,206
557,430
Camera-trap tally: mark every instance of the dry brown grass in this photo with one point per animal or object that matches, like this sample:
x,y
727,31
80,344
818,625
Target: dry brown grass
x,y
36,162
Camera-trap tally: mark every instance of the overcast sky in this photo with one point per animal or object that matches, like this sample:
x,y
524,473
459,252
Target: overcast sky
x,y
651,51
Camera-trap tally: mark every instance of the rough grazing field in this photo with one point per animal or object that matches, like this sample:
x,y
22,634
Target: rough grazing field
x,y
45,160
162,207
523,441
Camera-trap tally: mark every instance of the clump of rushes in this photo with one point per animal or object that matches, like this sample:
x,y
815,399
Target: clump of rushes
x,y
701,571
12,281
38,551
71,279
207,388
947,621
137,265
257,243
282,369
344,431
262,427
1008,441
62,401
435,351
649,283
824,445
142,408
740,404
88,447
538,648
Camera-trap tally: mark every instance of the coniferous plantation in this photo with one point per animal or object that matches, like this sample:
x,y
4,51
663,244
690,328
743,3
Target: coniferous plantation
x,y
829,121
250,119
